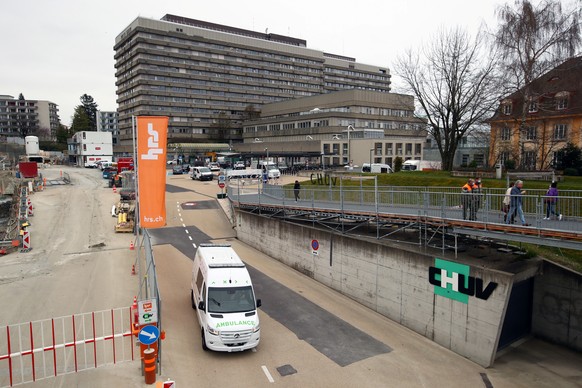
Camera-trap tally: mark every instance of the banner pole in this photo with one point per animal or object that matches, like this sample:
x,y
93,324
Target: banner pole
x,y
137,215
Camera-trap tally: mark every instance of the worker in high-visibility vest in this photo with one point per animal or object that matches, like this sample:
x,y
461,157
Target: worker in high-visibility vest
x,y
467,199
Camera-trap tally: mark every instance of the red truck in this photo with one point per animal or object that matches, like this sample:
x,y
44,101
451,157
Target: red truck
x,y
124,164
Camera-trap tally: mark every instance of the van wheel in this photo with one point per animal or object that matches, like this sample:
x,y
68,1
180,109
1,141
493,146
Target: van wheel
x,y
192,299
204,347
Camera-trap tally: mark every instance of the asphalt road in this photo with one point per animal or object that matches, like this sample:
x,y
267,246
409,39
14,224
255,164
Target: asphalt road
x,y
311,336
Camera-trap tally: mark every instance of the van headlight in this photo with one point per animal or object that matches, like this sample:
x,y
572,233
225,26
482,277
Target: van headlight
x,y
256,328
212,331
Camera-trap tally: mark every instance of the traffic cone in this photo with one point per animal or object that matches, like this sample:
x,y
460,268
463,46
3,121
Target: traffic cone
x,y
131,246
114,189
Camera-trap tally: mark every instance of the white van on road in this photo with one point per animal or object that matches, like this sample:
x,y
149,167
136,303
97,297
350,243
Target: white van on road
x,y
201,173
222,294
379,168
270,169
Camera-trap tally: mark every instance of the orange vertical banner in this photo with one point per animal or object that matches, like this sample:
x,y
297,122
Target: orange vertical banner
x,y
152,139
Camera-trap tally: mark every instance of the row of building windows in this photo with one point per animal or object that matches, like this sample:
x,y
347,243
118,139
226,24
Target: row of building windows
x,y
238,50
353,73
355,109
380,149
559,132
224,84
215,56
228,68
559,102
342,123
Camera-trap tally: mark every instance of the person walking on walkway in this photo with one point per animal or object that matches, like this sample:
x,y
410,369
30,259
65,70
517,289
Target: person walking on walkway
x,y
296,188
551,199
515,203
467,198
477,197
505,205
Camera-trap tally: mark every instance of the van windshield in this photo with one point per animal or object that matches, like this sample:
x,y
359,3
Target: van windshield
x,y
270,167
230,299
204,169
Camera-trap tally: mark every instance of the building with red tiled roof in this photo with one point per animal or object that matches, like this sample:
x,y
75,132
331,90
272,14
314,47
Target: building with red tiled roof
x,y
533,124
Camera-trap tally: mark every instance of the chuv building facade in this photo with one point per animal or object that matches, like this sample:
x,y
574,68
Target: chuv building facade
x,y
209,78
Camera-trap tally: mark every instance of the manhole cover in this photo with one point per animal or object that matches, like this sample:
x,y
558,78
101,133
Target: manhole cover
x,y
286,370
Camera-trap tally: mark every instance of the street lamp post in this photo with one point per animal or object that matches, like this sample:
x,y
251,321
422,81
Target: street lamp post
x,y
322,162
372,150
267,151
349,145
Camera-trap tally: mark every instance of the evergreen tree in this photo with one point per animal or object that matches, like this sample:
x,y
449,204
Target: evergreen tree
x,y
90,107
81,121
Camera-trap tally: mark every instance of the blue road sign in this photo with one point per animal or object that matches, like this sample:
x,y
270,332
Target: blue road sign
x,y
148,335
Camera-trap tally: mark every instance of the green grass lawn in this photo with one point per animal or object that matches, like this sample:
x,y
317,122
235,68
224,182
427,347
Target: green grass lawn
x,y
444,179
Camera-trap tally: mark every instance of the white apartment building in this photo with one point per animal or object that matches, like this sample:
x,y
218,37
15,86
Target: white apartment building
x,y
88,147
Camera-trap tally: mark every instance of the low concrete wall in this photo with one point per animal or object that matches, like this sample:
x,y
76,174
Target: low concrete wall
x,y
557,306
389,280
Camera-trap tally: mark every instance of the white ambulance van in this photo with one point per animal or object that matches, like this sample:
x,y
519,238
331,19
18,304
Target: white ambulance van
x,y
223,296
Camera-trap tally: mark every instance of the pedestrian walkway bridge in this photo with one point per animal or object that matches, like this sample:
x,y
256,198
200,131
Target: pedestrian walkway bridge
x,y
434,214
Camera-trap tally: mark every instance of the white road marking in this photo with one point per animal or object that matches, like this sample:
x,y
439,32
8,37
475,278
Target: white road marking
x,y
184,225
187,231
194,245
269,377
190,237
181,220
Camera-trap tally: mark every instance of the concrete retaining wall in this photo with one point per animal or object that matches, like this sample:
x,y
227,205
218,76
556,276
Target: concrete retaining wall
x,y
389,280
557,306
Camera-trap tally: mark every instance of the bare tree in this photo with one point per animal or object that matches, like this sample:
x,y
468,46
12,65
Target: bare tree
x,y
535,40
221,127
454,83
532,41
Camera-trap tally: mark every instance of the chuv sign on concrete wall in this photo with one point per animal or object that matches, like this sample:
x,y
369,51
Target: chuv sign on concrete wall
x,y
452,280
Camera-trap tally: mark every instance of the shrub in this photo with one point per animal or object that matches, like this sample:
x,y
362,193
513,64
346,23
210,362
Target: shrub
x,y
510,164
570,171
398,164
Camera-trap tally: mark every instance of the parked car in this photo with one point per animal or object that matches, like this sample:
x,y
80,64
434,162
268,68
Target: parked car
x,y
108,172
100,163
185,168
213,166
171,162
177,170
239,166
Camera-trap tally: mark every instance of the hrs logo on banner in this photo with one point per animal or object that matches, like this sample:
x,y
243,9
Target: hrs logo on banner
x,y
153,144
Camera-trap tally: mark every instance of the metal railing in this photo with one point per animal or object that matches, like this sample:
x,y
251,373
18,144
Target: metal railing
x,y
38,350
442,202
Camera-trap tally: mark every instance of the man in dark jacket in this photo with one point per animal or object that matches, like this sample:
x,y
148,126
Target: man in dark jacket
x,y
515,203
296,188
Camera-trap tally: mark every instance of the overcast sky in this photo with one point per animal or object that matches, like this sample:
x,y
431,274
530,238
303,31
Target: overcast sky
x,y
57,50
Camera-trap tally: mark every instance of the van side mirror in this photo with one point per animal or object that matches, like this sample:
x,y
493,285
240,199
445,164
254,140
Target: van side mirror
x,y
201,306
259,303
